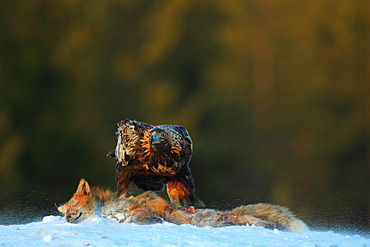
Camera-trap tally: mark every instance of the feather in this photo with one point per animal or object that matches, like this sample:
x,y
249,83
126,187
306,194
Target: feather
x,y
154,156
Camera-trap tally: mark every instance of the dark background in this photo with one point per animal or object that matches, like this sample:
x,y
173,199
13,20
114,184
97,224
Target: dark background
x,y
275,95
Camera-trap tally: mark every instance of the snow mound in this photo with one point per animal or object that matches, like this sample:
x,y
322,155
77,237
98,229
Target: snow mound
x,y
96,231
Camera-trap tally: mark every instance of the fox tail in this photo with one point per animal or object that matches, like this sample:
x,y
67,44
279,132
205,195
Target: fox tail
x,y
280,217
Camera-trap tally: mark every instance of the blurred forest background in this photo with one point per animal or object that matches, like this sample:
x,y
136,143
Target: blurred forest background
x,y
275,95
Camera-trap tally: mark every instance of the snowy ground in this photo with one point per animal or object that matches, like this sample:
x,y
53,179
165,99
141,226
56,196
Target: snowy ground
x,y
96,231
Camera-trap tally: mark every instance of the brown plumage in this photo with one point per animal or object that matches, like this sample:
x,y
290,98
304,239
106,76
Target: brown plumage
x,y
154,156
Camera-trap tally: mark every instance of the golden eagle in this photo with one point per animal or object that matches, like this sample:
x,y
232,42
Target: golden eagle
x,y
154,156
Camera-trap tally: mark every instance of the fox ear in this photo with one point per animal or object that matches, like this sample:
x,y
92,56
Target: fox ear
x,y
83,187
62,208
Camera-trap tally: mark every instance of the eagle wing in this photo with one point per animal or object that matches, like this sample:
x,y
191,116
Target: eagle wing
x,y
127,150
180,188
129,134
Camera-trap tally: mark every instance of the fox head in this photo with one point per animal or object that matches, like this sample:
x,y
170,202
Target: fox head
x,y
76,209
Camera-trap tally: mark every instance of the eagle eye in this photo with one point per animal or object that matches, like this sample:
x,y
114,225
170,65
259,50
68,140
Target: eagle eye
x,y
163,135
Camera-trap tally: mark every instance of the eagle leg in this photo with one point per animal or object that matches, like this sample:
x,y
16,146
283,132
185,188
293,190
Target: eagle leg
x,y
176,192
181,196
122,181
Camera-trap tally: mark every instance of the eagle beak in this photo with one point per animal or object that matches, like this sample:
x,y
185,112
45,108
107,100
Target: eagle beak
x,y
153,138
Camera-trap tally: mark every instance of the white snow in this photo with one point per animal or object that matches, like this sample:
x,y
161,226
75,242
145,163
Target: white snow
x,y
96,231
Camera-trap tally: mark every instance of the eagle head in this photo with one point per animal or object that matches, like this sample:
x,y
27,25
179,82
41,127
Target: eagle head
x,y
159,138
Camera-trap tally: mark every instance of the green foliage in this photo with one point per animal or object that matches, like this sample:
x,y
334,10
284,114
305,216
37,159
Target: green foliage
x,y
273,93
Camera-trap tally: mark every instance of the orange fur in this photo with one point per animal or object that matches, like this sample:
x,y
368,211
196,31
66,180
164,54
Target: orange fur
x,y
84,202
160,207
148,208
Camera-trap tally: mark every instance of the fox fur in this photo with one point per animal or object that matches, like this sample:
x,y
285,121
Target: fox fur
x,y
149,208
